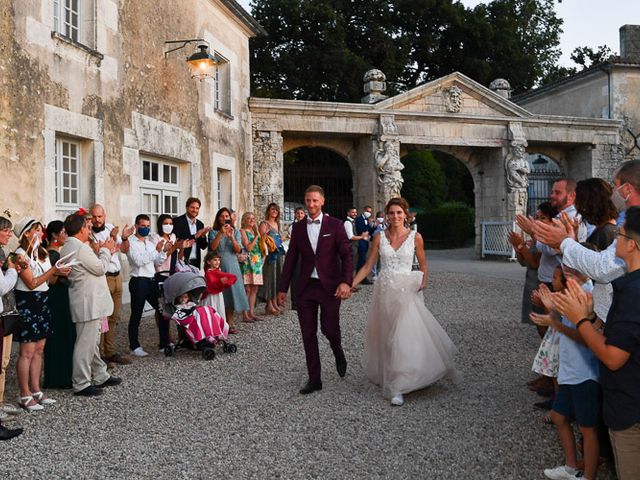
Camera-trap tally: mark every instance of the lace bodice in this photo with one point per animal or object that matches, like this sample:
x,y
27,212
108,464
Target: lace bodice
x,y
397,261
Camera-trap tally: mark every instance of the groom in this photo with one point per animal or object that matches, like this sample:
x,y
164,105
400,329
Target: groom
x,y
319,243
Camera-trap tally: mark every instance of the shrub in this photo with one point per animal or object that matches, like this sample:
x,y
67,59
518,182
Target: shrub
x,y
448,225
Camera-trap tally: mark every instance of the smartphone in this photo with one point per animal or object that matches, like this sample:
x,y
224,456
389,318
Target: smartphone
x,y
227,222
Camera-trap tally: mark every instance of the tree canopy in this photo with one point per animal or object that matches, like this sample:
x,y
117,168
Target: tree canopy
x,y
320,49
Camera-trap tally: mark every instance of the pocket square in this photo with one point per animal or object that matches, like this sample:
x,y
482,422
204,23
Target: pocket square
x,y
326,235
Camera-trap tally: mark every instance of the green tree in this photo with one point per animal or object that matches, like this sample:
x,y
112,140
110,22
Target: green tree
x,y
319,49
425,185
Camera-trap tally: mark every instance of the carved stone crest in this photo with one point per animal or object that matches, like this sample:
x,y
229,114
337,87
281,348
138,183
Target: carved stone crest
x,y
388,125
452,99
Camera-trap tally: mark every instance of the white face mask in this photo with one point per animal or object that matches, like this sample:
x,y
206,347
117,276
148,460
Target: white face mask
x,y
167,228
618,200
380,219
367,214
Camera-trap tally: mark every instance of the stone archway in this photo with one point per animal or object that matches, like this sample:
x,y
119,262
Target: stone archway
x,y
482,128
304,166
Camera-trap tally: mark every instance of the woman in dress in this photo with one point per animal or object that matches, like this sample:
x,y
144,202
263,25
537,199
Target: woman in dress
x,y
406,349
226,240
32,302
273,263
58,351
252,267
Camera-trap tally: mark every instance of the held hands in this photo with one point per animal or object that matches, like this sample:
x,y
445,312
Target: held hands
x,y
343,291
281,297
574,303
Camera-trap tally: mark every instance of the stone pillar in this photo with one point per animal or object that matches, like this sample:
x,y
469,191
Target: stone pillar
x,y
516,172
386,147
268,170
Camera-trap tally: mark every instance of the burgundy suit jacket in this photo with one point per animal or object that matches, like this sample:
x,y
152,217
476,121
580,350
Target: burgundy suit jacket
x,y
332,258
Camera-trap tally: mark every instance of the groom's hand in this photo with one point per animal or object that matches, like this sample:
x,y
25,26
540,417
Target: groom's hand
x,y
281,297
344,291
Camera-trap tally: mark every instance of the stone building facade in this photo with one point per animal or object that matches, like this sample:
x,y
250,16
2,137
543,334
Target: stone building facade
x,y
92,110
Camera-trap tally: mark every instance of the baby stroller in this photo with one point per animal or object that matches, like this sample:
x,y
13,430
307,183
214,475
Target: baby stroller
x,y
199,327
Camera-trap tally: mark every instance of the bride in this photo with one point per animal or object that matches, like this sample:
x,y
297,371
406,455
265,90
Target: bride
x,y
406,349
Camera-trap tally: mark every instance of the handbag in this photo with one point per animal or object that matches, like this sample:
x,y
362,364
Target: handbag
x,y
11,322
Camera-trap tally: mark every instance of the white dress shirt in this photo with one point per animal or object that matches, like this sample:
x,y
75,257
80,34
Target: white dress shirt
x,y
103,236
8,280
349,228
602,267
144,257
313,231
193,228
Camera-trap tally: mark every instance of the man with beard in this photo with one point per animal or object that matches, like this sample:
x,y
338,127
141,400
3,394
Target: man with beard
x,y
102,231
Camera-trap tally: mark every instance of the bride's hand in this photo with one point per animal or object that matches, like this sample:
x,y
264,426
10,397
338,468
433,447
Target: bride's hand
x,y
354,289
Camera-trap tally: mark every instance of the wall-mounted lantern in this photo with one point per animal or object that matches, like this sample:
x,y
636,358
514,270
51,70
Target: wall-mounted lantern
x,y
201,63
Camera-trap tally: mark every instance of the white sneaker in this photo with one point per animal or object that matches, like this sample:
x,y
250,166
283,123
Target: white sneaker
x,y
397,400
139,352
10,409
562,472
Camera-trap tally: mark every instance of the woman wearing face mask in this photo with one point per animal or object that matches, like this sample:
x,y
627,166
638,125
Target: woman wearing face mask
x,y
58,351
165,232
32,303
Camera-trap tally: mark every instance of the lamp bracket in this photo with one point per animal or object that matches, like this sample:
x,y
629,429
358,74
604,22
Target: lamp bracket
x,y
184,44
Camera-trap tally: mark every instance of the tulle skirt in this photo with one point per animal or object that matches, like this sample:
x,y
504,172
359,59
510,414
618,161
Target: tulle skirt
x,y
406,348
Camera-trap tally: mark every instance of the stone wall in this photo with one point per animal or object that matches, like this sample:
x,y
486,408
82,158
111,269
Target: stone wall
x,y
121,98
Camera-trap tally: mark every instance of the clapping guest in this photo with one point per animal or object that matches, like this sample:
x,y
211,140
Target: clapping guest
x,y
188,227
252,267
8,279
227,242
58,351
617,348
32,303
144,255
274,261
90,301
364,229
102,231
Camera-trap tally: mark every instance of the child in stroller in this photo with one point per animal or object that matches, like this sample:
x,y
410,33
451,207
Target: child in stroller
x,y
199,327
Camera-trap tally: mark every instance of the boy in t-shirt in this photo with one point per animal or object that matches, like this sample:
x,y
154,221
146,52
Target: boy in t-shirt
x,y
578,394
617,348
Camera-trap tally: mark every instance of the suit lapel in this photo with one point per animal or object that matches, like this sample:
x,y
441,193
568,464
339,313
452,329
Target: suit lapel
x,y
324,226
304,238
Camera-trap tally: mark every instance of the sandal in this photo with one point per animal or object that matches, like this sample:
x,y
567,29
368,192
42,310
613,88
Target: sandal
x,y
233,331
42,400
29,404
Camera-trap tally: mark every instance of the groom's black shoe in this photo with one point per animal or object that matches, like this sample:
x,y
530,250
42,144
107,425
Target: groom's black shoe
x,y
341,365
310,387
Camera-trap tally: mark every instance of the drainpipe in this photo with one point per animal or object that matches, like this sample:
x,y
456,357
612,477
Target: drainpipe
x,y
607,69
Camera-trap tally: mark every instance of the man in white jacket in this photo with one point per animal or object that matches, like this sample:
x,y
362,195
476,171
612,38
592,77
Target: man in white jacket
x,y
90,301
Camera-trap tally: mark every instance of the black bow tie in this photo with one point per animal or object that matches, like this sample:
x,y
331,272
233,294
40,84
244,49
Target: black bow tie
x,y
316,221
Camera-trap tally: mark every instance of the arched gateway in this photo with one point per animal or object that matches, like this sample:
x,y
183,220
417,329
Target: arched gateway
x,y
481,127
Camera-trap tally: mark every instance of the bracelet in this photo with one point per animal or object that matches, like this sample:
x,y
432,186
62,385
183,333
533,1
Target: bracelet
x,y
581,322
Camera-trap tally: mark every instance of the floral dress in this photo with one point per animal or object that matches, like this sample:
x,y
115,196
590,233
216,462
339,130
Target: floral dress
x,y
252,267
547,360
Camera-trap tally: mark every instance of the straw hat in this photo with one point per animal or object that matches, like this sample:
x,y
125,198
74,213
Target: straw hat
x,y
22,226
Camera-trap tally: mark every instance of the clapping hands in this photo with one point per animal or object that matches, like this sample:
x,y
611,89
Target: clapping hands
x,y
574,303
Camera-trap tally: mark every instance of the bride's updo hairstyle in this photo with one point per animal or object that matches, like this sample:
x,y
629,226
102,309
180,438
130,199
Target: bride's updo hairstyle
x,y
399,201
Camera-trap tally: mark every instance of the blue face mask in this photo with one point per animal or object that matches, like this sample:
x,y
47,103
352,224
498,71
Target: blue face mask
x,y
143,231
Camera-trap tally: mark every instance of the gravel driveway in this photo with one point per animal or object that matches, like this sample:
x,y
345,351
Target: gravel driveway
x,y
240,415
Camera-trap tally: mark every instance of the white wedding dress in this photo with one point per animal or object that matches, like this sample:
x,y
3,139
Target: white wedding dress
x,y
406,348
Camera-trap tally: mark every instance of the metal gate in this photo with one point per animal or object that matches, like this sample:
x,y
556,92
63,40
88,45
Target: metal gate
x,y
544,172
318,166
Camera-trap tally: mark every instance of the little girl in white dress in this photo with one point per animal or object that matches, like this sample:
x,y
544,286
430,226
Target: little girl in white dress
x,y
406,348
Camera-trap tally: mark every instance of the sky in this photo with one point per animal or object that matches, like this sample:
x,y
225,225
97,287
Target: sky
x,y
588,23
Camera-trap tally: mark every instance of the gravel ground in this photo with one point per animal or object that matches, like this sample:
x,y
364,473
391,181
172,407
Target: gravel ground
x,y
241,416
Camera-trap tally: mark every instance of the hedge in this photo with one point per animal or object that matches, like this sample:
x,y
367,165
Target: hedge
x,y
449,225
